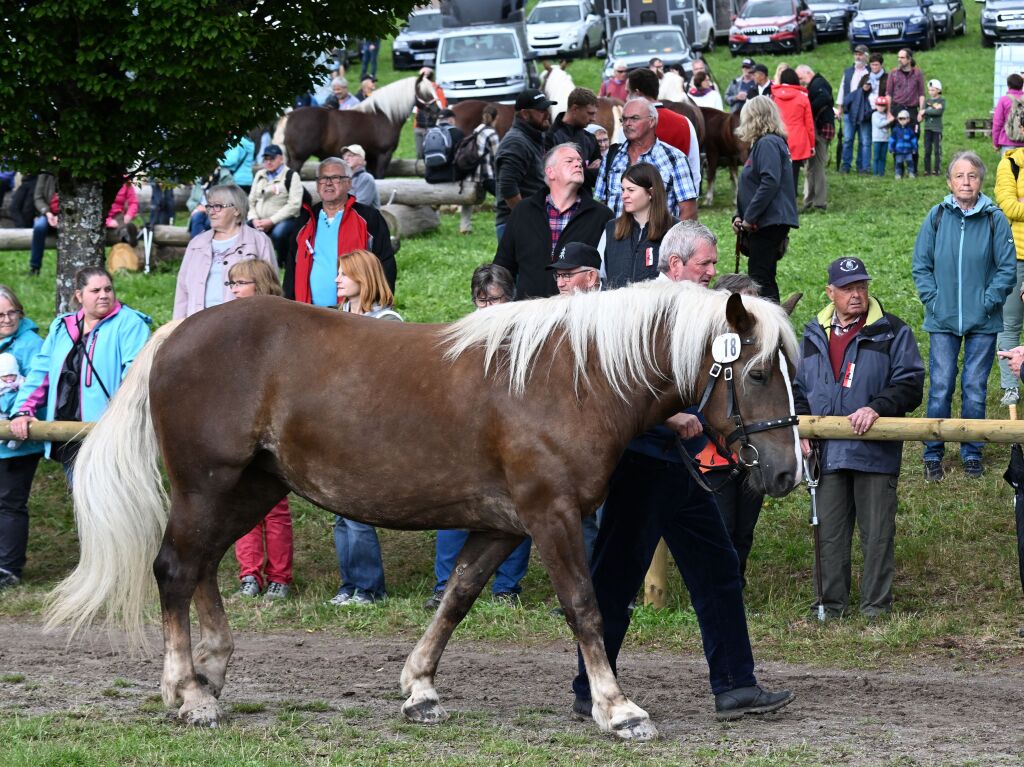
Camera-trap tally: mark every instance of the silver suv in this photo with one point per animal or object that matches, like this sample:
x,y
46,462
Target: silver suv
x,y
564,28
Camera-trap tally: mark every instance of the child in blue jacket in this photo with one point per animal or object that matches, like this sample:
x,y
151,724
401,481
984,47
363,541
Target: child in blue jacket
x,y
903,145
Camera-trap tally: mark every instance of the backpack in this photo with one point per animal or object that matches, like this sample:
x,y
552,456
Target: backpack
x,y
1014,126
307,198
467,156
437,147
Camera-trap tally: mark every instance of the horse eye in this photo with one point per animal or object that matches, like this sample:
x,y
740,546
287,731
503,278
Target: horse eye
x,y
758,375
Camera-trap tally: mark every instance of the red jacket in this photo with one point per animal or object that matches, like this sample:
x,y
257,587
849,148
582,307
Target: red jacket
x,y
362,226
126,202
795,108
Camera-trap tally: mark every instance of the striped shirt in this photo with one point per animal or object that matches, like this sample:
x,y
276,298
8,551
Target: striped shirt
x,y
671,164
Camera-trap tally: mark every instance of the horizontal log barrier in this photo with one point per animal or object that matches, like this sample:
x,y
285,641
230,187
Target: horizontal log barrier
x,y
50,431
397,167
21,239
416,191
915,429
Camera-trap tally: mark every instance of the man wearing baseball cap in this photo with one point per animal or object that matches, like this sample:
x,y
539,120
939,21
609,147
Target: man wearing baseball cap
x,y
519,163
578,269
275,201
742,88
860,362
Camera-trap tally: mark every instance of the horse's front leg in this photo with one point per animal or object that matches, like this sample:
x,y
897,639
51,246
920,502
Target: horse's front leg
x,y
558,535
479,558
213,651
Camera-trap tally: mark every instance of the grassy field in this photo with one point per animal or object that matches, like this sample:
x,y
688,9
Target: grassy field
x,y
956,565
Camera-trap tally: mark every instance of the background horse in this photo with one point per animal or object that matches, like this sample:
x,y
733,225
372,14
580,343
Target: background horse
x,y
557,84
375,124
467,116
477,425
722,147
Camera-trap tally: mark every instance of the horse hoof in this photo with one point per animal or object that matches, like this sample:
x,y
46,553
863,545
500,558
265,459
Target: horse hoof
x,y
425,711
635,728
204,714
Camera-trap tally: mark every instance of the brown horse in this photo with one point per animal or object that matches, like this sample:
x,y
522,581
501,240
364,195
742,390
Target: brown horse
x,y
468,116
722,147
507,423
376,125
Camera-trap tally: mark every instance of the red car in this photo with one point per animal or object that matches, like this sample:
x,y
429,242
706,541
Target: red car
x,y
773,26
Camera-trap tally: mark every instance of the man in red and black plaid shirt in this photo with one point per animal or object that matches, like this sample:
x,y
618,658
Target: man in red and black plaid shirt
x,y
541,225
819,92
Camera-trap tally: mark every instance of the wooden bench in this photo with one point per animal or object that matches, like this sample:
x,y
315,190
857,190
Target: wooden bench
x,y
978,127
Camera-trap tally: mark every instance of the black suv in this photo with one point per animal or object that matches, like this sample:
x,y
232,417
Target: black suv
x,y
416,45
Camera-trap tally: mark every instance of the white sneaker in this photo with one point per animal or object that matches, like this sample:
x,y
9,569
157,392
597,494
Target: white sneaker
x,y
339,599
277,590
249,588
1011,396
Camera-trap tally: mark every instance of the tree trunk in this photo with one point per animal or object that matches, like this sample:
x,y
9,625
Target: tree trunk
x,y
80,235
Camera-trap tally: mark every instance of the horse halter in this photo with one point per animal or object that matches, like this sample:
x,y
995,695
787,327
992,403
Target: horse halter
x,y
726,350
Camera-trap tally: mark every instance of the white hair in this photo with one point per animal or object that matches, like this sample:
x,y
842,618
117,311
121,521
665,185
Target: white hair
x,y
652,111
617,326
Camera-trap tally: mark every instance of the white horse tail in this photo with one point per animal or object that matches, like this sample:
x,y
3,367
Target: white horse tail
x,y
120,510
278,137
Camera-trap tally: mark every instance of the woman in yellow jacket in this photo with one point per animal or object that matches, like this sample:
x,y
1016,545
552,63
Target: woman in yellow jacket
x,y
1009,196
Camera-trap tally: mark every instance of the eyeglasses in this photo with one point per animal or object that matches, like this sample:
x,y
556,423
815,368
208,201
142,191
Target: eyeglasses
x,y
10,316
233,283
483,301
332,179
903,119
565,276
216,207
620,71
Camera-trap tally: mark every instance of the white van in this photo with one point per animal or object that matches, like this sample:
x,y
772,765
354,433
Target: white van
x,y
485,62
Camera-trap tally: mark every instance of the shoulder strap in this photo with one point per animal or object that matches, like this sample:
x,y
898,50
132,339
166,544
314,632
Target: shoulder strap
x,y
1014,168
613,150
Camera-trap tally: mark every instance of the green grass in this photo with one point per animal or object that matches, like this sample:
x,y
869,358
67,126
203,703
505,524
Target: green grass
x,y
956,566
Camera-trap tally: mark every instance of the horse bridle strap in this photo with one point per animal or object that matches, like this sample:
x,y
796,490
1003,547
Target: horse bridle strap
x,y
743,430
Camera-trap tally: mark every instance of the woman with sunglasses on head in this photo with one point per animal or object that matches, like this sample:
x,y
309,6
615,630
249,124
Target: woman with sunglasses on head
x,y
629,245
265,553
18,460
362,289
210,255
81,363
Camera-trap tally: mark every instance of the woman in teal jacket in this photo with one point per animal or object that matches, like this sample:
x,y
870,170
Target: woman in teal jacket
x,y
964,266
82,362
18,461
239,160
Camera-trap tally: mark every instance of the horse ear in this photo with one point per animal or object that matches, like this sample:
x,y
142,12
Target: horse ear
x,y
737,316
564,63
547,65
790,303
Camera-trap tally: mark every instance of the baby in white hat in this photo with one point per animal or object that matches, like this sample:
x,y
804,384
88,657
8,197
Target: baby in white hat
x,y
11,380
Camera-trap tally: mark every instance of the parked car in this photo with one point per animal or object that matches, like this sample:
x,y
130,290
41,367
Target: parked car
x,y
636,46
893,24
566,28
766,26
682,12
416,45
832,17
1002,21
486,62
950,17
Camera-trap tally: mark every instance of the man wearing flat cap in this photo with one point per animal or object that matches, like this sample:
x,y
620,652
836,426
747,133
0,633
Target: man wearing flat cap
x,y
578,269
519,163
544,224
860,362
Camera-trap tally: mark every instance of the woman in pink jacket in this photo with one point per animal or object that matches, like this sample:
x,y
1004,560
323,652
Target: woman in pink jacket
x,y
203,277
794,106
122,213
1015,90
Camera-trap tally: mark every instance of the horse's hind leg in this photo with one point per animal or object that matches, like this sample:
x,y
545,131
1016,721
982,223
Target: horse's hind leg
x,y
479,558
213,651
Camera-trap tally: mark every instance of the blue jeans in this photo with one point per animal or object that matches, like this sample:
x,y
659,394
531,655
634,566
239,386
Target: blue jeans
x,y
903,163
881,152
1013,321
281,234
359,561
197,224
161,210
499,230
862,132
40,228
368,57
506,580
650,499
979,352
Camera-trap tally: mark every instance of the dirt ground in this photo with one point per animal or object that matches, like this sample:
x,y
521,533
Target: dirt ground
x,y
927,715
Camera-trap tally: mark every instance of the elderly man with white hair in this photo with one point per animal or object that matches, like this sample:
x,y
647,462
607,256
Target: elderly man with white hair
x,y
615,86
639,123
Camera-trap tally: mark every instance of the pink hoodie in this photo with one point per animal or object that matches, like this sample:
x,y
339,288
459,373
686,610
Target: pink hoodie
x,y
999,137
125,202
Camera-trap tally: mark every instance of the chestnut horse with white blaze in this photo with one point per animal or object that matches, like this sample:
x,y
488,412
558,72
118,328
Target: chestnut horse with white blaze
x,y
507,423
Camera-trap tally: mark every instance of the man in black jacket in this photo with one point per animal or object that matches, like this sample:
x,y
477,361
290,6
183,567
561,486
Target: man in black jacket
x,y
519,164
571,126
819,92
544,223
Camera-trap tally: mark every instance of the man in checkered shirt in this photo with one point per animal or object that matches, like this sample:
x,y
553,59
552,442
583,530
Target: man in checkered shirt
x,y
639,119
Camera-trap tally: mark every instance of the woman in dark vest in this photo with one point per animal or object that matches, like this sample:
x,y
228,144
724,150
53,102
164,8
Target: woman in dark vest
x,y
629,245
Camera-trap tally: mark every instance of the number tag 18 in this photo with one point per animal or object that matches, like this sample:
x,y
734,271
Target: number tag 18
x,y
726,348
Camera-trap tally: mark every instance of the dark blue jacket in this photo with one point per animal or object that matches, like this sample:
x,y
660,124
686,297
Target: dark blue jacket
x,y
888,377
764,197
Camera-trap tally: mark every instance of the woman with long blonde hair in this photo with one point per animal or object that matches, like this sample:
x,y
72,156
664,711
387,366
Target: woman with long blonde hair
x,y
765,200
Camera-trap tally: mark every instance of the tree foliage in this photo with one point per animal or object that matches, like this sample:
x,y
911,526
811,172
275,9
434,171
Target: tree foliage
x,y
97,87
